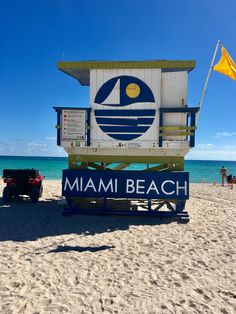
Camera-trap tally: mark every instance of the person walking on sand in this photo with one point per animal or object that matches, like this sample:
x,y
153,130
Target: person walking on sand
x,y
223,172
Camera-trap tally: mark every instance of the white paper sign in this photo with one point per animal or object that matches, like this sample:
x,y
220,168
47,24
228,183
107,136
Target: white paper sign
x,y
73,125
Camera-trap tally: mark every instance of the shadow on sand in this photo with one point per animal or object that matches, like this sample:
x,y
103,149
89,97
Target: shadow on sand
x,y
24,221
66,248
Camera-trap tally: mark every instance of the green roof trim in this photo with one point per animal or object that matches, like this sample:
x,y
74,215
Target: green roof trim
x,y
81,70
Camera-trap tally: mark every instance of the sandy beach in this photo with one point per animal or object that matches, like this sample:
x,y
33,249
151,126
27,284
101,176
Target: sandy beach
x,y
89,264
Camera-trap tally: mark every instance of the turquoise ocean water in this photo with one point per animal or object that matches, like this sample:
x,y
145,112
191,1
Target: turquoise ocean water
x,y
51,167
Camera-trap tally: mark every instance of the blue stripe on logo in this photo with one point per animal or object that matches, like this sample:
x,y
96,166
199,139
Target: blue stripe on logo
x,y
131,129
124,137
128,112
124,121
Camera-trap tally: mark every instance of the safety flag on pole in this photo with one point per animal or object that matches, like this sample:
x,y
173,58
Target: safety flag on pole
x,y
226,65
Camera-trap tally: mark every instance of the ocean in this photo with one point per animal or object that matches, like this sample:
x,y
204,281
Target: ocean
x,y
206,171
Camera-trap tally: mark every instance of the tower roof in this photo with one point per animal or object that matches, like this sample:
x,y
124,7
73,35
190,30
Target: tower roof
x,y
80,70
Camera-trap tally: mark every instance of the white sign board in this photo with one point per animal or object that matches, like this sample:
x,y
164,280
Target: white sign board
x,y
125,108
73,125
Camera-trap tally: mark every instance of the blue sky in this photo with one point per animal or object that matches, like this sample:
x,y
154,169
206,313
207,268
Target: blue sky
x,y
36,34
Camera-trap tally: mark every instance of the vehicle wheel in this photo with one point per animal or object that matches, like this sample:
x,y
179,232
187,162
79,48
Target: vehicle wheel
x,y
7,194
34,194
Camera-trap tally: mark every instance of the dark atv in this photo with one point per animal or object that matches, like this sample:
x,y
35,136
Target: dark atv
x,y
22,182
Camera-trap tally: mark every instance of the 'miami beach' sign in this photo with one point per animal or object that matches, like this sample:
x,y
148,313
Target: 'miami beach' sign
x,y
125,184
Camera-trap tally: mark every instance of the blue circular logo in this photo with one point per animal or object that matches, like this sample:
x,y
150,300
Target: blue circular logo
x,y
119,123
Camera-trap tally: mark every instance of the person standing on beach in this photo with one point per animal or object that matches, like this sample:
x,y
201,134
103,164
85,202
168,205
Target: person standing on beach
x,y
223,172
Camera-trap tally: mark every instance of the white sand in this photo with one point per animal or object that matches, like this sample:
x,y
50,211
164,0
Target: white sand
x,y
88,264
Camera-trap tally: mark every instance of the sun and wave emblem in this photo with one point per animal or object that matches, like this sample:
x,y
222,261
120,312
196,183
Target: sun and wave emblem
x,y
119,123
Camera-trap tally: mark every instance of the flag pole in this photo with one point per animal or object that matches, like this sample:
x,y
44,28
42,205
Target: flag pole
x,y
208,76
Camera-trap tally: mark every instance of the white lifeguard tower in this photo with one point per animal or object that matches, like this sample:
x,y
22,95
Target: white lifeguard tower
x,y
138,114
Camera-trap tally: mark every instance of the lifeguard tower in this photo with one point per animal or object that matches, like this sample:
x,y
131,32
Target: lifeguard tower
x,y
138,114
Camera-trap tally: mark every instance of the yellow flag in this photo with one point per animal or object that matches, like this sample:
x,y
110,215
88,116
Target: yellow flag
x,y
226,65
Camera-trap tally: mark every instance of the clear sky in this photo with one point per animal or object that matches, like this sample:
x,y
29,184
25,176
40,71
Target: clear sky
x,y
34,35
